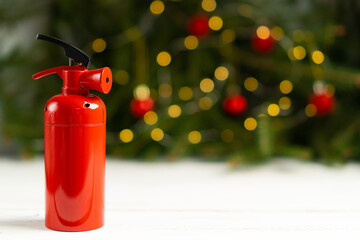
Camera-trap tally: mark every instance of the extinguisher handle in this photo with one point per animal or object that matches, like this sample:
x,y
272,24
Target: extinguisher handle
x,y
70,51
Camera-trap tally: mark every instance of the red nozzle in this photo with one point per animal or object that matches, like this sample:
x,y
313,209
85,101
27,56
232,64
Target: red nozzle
x,y
77,80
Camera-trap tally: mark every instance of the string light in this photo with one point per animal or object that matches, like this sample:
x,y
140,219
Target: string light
x,y
157,134
227,135
215,23
299,52
250,124
205,103
185,93
310,110
174,111
286,86
221,73
99,45
263,32
273,110
317,57
285,103
165,90
163,58
194,137
157,7
150,118
207,85
228,36
251,84
122,77
141,92
277,33
191,42
208,5
126,135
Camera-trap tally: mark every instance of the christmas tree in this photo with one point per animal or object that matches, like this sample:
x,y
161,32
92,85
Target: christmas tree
x,y
232,80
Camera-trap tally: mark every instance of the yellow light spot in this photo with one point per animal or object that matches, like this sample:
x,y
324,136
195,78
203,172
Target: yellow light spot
x,y
191,42
126,135
194,137
215,23
251,84
250,124
208,5
207,85
273,110
133,33
227,135
310,110
221,73
157,134
185,93
263,32
290,53
285,103
299,52
228,36
121,77
141,92
163,58
205,103
318,57
99,45
150,118
277,33
165,90
245,10
174,111
286,87
157,7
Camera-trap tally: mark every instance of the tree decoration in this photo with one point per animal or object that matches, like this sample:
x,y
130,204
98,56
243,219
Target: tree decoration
x,y
322,99
235,105
198,25
262,41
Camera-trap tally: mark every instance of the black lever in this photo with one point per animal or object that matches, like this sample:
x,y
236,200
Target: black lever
x,y
70,51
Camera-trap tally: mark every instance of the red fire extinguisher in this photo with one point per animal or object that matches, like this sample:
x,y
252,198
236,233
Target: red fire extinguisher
x,y
75,126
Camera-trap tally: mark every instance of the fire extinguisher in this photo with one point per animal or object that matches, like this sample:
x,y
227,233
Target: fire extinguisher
x,y
75,128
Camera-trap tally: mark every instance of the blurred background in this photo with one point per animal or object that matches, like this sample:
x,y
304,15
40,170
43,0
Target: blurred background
x,y
230,80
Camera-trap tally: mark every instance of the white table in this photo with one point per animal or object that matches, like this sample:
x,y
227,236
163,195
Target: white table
x,y
285,199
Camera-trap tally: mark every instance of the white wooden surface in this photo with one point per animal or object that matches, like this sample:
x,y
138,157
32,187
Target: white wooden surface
x,y
285,199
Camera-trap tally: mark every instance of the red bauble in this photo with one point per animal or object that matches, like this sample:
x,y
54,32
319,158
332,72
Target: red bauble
x,y
324,103
235,105
198,25
140,107
262,45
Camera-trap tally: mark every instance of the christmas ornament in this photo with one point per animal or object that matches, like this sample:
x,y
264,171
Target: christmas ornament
x,y
75,144
235,105
262,45
324,103
198,25
140,107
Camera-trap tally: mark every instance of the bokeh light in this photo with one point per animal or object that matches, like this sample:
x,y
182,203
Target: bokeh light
x,y
208,5
317,57
174,111
165,90
99,45
299,52
191,42
263,32
194,137
157,134
273,110
277,33
250,124
163,58
221,73
142,92
121,77
251,84
284,103
228,36
205,103
286,86
227,135
207,85
150,118
310,110
126,135
185,93
215,23
157,7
